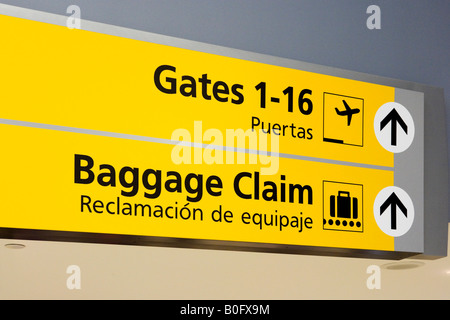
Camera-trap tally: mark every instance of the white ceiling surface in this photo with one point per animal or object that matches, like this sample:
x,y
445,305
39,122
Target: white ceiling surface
x,y
38,271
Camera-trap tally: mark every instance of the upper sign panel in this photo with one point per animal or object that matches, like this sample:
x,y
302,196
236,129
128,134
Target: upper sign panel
x,y
89,80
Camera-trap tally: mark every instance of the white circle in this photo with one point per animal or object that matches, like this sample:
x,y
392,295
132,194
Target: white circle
x,y
394,127
394,211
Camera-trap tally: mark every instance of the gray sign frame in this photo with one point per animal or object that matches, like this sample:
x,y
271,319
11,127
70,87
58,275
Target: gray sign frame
x,y
422,170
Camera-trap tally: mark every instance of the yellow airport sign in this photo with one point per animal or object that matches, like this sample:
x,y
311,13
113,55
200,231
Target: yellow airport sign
x,y
117,139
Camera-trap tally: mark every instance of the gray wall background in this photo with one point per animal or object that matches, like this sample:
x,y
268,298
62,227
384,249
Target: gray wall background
x,y
413,43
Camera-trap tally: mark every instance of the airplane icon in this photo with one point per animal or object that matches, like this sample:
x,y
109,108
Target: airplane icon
x,y
349,112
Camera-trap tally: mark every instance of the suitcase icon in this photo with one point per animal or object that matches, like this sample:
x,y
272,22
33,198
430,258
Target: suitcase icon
x,y
347,207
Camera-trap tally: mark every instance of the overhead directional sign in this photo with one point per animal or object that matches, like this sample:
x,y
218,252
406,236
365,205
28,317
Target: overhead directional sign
x,y
111,136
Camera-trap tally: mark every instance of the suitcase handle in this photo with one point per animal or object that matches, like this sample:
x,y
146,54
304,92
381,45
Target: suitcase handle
x,y
346,193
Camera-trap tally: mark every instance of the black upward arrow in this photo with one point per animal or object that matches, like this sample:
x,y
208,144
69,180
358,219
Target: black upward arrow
x,y
393,117
393,201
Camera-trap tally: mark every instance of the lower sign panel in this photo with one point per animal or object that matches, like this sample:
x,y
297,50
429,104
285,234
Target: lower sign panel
x,y
74,186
